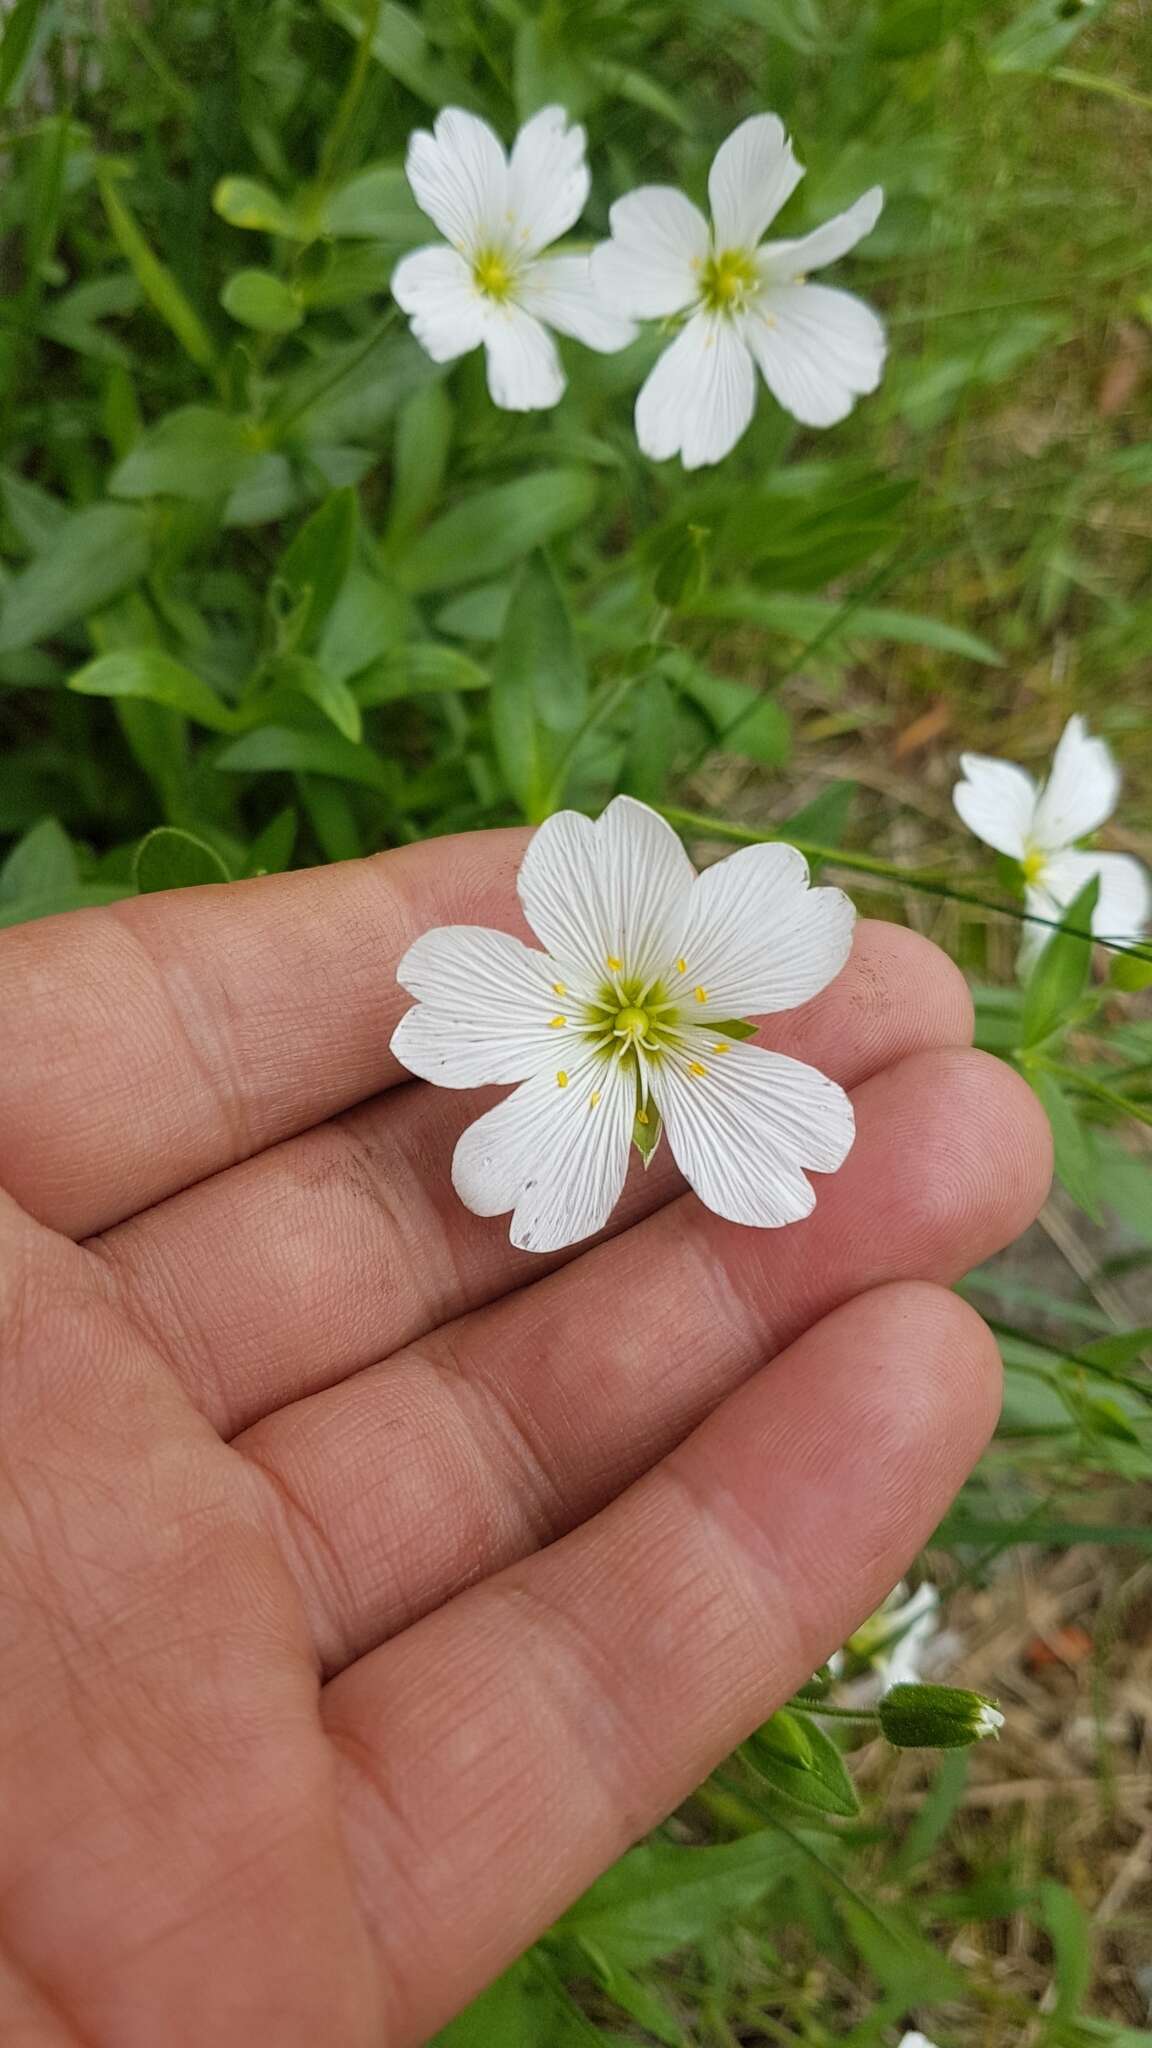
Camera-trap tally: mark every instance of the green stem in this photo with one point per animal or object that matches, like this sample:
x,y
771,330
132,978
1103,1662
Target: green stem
x,y
904,878
1085,1085
353,94
821,1711
377,333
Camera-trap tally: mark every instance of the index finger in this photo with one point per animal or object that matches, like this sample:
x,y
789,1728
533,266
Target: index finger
x,y
148,1044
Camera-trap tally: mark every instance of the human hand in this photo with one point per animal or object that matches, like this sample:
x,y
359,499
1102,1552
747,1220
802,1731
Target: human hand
x,y
367,1586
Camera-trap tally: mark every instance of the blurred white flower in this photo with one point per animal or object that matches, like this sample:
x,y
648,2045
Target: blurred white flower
x,y
748,302
1038,825
914,2040
492,285
625,1026
894,1639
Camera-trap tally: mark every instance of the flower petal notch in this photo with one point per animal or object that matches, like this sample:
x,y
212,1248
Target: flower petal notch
x,y
1038,825
489,284
632,1024
746,303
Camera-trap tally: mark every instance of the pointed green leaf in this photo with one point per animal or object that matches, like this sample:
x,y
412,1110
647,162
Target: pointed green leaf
x,y
97,553
170,858
259,300
1061,972
149,673
42,863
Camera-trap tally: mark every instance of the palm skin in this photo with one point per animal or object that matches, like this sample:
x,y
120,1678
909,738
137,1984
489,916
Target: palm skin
x,y
366,1587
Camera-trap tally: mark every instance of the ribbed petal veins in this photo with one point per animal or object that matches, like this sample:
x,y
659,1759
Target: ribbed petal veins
x,y
745,1125
548,180
459,176
435,287
700,397
1081,790
818,350
487,1008
555,1153
825,244
997,802
758,939
613,891
752,175
652,265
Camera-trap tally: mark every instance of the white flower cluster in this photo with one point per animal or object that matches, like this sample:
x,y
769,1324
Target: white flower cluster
x,y
742,304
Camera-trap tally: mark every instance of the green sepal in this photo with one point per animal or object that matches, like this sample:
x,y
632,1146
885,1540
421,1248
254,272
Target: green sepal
x,y
798,1759
646,1137
936,1717
735,1027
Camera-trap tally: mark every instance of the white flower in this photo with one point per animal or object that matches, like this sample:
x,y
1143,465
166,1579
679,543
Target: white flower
x,y
493,285
894,1639
916,2041
1039,827
622,1027
989,1720
748,302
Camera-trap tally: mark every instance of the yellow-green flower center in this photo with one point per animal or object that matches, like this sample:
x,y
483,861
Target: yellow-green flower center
x,y
1034,863
632,1022
492,273
728,280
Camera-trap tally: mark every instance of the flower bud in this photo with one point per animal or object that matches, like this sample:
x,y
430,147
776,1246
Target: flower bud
x,y
937,1717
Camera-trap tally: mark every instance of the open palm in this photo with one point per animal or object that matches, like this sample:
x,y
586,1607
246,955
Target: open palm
x,y
367,1586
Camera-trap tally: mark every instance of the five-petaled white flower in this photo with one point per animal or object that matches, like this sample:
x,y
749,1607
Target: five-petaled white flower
x,y
1039,826
493,285
748,302
895,1638
626,1022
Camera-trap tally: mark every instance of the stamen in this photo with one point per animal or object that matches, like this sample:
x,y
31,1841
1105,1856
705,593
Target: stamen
x,y
594,1098
561,1079
722,1048
557,1023
696,1068
642,1116
701,995
614,964
558,988
681,967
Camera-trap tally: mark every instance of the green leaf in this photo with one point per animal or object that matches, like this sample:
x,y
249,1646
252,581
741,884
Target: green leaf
x,y
744,721
301,673
805,618
35,514
798,1758
1076,1162
316,563
1069,1930
258,299
367,623
23,30
419,461
244,203
911,1969
156,280
42,863
1038,35
494,528
270,853
376,205
147,672
539,687
171,858
196,453
97,553
417,669
277,747
400,44
659,1898
1060,975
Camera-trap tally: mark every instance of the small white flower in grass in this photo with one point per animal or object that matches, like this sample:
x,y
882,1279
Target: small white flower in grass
x,y
493,286
895,1638
749,303
1039,825
625,1027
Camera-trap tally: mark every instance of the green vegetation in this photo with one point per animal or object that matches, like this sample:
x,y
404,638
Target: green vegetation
x,y
277,590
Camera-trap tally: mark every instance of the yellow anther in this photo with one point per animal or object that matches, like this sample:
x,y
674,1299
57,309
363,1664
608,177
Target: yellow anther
x,y
681,967
557,1023
594,1098
614,965
561,1079
701,995
642,1116
558,988
696,1068
722,1048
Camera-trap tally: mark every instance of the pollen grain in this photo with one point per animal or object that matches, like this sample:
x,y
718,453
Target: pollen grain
x,y
561,1079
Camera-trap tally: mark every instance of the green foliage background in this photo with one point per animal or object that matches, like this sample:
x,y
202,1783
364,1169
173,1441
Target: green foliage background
x,y
275,590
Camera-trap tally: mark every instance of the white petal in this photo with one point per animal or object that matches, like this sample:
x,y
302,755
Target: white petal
x,y
524,369
758,939
700,397
744,1131
752,175
652,265
614,890
824,244
459,176
559,290
1124,905
997,801
818,349
434,286
548,180
486,1006
1081,790
552,1155
910,1630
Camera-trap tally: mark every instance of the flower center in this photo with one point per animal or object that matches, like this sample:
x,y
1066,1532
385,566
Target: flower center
x,y
492,274
631,1023
728,280
1034,863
